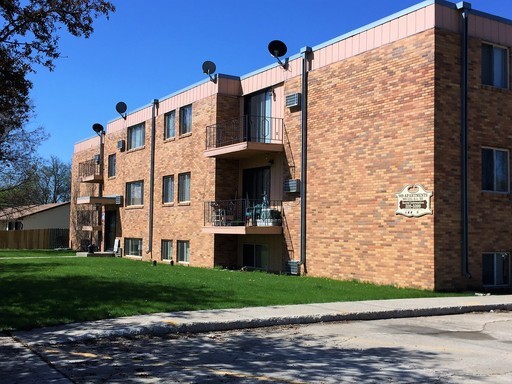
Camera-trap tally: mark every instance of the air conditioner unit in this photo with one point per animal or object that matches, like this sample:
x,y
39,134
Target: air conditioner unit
x,y
293,100
120,145
292,186
292,267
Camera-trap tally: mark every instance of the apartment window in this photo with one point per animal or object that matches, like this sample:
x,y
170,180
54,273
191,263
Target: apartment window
x,y
183,251
166,249
255,256
495,173
112,165
186,119
168,189
169,130
133,247
494,66
135,193
136,136
496,269
184,187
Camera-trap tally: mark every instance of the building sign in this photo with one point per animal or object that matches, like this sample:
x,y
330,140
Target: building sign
x,y
413,201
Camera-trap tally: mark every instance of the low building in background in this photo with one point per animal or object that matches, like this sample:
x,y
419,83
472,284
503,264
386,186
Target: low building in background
x,y
43,226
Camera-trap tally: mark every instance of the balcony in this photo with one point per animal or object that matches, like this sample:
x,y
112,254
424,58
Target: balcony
x,y
103,200
88,220
243,217
90,171
244,137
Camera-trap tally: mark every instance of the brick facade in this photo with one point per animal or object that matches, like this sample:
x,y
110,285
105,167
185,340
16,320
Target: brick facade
x,y
384,112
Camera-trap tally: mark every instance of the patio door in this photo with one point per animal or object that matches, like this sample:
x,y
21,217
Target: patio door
x,y
256,183
258,115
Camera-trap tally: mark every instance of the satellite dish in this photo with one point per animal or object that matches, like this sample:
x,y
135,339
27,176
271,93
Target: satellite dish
x,y
209,68
121,109
98,128
278,49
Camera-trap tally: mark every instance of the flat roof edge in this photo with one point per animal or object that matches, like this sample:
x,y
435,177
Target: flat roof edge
x,y
354,32
187,88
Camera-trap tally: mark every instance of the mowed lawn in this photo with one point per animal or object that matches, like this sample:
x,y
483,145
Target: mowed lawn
x,y
47,288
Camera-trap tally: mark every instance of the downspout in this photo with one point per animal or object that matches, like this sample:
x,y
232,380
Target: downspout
x,y
304,153
152,177
99,208
464,7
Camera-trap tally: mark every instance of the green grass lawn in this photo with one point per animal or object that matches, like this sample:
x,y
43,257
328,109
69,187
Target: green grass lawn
x,y
37,292
34,253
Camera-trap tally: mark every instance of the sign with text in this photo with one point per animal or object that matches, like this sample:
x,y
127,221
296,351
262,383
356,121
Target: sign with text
x,y
413,201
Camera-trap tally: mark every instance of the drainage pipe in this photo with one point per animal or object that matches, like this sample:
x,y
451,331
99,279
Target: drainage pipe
x,y
152,177
464,8
304,153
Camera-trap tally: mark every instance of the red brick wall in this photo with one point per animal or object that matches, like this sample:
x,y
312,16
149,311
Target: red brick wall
x,y
489,125
371,132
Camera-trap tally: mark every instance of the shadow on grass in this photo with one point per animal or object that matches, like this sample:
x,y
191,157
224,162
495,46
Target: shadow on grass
x,y
31,297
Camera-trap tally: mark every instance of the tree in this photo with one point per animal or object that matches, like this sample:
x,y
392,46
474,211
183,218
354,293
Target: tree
x,y
54,181
40,20
28,38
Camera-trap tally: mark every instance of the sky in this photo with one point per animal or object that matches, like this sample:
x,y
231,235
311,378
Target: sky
x,y
149,49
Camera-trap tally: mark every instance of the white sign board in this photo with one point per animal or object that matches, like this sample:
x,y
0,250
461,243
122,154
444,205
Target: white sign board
x,y
413,201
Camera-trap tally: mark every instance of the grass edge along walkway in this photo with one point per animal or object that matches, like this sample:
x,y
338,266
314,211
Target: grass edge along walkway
x,y
39,292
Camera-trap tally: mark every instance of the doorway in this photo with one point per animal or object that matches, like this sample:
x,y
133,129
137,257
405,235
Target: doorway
x,y
258,114
110,229
256,183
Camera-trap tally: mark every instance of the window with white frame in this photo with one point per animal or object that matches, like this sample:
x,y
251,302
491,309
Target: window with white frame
x,y
168,189
495,170
255,256
166,249
495,66
135,193
135,136
169,125
132,246
112,165
186,119
496,269
184,187
183,251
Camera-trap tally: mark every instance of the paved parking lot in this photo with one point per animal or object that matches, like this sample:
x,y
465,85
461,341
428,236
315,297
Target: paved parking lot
x,y
470,348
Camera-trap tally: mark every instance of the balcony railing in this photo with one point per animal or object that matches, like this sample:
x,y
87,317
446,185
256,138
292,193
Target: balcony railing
x,y
260,129
87,218
89,170
243,212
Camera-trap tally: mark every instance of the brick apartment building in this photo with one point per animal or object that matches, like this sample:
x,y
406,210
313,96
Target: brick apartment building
x,y
381,155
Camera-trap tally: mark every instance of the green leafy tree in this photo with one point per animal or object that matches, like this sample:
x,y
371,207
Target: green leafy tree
x,y
29,37
54,182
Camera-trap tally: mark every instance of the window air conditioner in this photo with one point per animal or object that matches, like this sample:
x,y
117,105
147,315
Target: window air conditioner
x,y
292,186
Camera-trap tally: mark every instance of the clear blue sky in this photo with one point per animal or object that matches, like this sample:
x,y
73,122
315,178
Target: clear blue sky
x,y
150,49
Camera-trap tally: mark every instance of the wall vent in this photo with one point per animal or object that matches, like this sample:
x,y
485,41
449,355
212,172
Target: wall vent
x,y
120,145
293,100
292,186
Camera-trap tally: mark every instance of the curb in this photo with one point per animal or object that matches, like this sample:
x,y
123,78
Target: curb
x,y
93,330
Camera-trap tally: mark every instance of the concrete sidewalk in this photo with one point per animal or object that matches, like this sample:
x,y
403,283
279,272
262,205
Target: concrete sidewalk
x,y
226,319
